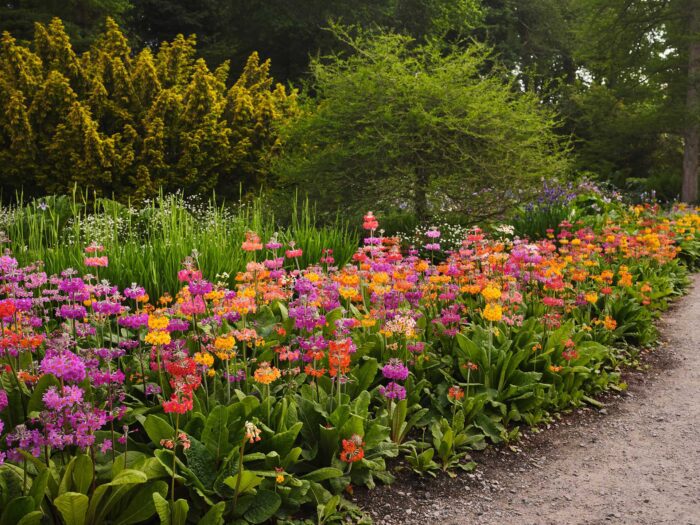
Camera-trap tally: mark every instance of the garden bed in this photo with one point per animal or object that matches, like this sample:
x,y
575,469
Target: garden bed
x,y
272,399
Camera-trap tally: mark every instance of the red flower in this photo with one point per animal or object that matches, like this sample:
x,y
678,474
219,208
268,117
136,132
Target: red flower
x,y
178,405
7,308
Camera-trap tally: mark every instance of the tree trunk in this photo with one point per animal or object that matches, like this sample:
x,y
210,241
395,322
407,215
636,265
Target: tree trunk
x,y
420,196
691,154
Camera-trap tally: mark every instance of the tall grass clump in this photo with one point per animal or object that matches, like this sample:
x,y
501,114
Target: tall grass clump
x,y
147,245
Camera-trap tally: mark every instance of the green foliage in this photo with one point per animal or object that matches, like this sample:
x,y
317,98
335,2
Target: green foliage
x,y
126,125
147,245
420,126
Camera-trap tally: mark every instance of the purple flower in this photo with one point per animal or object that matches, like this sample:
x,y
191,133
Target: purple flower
x,y
395,369
393,391
3,400
68,311
106,377
200,287
64,365
134,322
107,307
70,395
134,292
179,325
416,348
306,317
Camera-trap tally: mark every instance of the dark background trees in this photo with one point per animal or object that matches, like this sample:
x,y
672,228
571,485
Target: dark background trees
x,y
621,74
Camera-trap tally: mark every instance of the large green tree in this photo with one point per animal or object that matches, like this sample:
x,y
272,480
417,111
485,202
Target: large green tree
x,y
433,129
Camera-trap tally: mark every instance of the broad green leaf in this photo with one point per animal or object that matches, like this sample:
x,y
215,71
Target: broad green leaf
x,y
283,442
73,507
38,488
141,506
82,473
215,433
162,508
201,462
248,481
179,511
158,429
323,474
214,516
16,510
128,477
33,518
264,506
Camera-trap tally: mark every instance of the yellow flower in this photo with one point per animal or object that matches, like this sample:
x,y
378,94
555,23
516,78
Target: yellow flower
x,y
157,322
347,293
472,289
493,312
279,478
215,295
491,293
380,278
591,297
225,342
158,337
368,323
204,359
312,276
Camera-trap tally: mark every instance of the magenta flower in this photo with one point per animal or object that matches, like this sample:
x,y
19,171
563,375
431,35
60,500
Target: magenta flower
x,y
393,391
64,365
68,311
395,369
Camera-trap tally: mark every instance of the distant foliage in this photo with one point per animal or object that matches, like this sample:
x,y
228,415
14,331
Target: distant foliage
x,y
127,124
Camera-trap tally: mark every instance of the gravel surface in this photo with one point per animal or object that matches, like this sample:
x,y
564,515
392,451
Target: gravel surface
x,y
637,461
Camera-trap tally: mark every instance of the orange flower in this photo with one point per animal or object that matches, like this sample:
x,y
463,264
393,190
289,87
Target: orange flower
x,y
352,449
455,393
266,374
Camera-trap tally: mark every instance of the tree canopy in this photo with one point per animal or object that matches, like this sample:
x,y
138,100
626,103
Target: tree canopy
x,y
396,124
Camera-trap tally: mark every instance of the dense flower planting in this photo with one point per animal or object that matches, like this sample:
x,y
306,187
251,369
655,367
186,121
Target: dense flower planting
x,y
267,400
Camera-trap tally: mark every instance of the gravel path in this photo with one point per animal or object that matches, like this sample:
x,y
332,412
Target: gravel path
x,y
635,462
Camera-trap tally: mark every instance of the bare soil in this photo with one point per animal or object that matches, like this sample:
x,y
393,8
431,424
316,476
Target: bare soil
x,y
637,461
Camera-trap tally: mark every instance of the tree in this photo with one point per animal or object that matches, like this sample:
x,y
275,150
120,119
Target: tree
x,y
691,154
639,58
83,19
421,126
126,125
291,30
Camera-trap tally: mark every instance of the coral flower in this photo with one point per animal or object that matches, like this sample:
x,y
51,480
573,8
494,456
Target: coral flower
x,y
352,449
370,222
455,393
266,374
